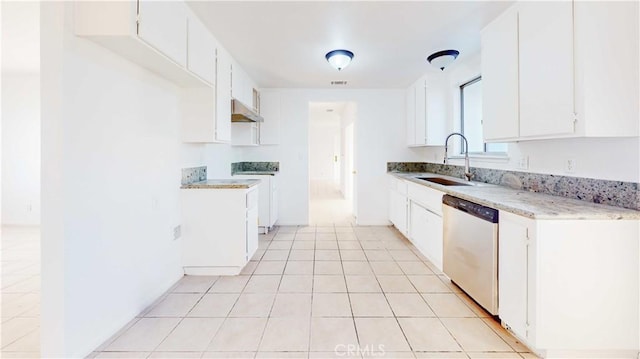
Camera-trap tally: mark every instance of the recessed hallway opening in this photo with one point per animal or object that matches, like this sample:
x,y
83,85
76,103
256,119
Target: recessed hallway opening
x,y
331,163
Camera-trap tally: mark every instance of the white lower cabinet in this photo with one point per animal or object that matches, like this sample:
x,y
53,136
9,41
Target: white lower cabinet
x,y
570,288
219,230
416,211
398,205
425,221
267,200
513,257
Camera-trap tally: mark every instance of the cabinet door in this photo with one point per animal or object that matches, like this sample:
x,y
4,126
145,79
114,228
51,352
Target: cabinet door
x,y
411,115
403,215
252,231
434,242
239,84
198,113
201,51
546,68
500,103
393,207
270,110
163,25
421,113
223,95
419,227
513,273
437,93
274,207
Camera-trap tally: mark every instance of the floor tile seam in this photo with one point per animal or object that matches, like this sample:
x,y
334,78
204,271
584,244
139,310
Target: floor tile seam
x,y
167,336
468,305
395,317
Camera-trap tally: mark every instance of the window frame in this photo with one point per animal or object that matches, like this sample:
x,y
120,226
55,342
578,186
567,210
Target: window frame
x,y
484,153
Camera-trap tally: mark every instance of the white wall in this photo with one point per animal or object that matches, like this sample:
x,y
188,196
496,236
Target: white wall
x,y
615,159
323,130
218,159
20,149
380,138
111,155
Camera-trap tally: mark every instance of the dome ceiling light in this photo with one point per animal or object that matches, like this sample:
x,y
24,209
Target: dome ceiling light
x,y
442,59
339,58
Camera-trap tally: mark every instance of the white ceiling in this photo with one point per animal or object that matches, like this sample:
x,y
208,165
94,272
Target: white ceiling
x,y
282,44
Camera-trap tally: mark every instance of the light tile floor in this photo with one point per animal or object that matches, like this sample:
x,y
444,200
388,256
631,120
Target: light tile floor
x,y
319,292
20,292
327,205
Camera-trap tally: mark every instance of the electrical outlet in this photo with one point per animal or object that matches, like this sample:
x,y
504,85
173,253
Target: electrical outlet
x,y
570,165
523,163
177,232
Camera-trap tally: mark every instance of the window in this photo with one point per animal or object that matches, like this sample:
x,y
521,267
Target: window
x,y
471,120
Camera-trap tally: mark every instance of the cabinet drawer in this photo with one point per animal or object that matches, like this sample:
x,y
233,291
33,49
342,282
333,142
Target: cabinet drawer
x,y
429,198
252,198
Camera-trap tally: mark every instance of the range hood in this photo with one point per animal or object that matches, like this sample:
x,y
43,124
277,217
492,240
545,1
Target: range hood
x,y
241,113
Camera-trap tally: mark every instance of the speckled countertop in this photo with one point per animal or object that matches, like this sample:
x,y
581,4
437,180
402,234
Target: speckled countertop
x,y
254,173
223,184
524,203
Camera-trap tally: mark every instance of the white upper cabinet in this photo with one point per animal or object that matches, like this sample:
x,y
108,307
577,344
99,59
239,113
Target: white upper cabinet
x,y
561,69
607,43
152,34
500,105
426,115
206,110
546,68
163,25
223,95
420,130
271,111
411,115
201,50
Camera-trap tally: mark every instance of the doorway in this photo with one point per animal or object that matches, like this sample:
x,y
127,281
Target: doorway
x,y
331,163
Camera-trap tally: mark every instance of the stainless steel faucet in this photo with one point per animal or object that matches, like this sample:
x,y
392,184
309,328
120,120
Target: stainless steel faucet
x,y
467,170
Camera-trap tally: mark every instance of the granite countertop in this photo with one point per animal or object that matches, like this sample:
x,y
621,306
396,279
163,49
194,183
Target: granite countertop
x,y
524,203
223,184
255,173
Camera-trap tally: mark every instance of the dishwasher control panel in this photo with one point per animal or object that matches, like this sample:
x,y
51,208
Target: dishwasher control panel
x,y
474,209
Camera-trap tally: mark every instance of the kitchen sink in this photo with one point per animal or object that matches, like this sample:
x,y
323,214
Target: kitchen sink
x,y
444,181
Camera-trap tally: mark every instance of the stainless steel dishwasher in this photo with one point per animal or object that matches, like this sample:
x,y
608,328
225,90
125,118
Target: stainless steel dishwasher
x,y
471,249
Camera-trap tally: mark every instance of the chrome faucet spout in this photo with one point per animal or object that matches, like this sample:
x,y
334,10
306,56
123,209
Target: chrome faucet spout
x,y
467,171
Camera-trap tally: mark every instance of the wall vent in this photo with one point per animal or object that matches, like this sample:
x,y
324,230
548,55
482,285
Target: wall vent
x,y
338,82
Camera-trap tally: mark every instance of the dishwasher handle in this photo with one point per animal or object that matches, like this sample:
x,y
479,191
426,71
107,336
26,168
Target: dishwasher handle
x,y
477,210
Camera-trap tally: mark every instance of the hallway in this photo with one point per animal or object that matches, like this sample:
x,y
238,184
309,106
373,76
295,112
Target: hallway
x,y
327,205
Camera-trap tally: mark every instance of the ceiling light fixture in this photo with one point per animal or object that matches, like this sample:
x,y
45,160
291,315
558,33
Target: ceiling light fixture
x,y
339,58
442,59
